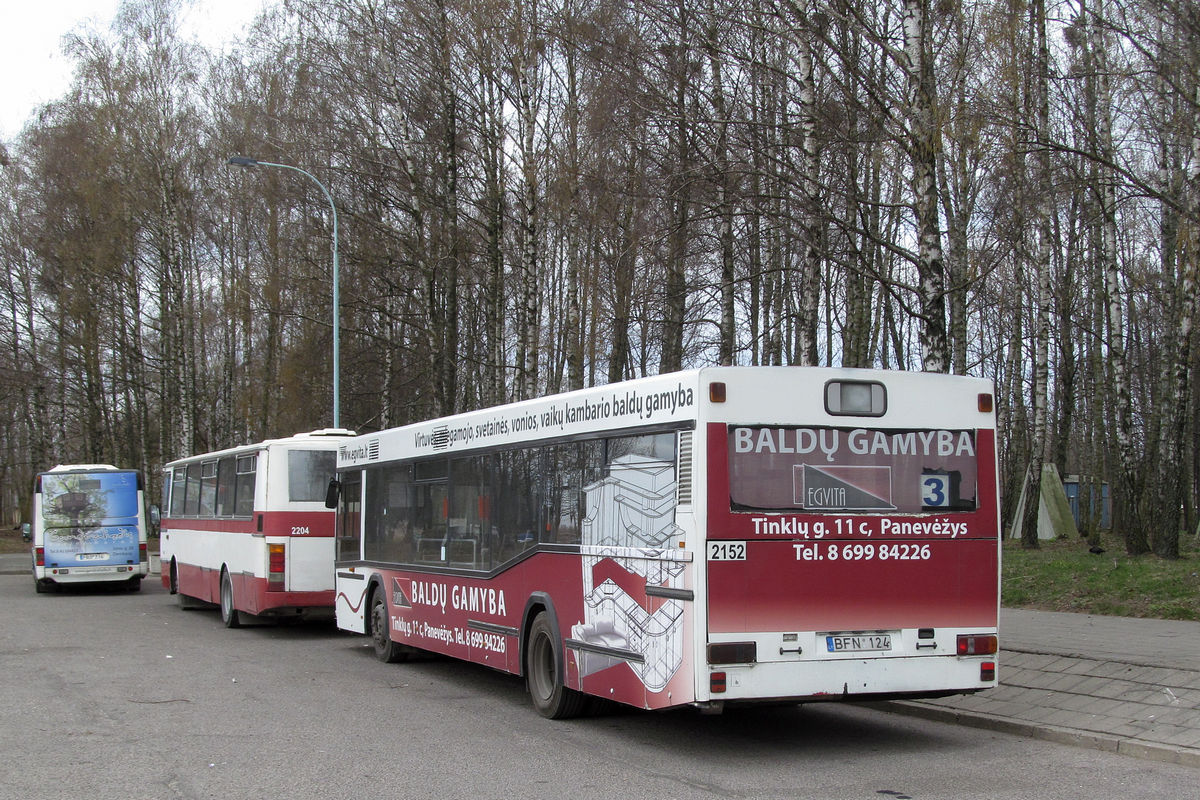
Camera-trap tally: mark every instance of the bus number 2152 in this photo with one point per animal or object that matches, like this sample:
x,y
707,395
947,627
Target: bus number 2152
x,y
726,551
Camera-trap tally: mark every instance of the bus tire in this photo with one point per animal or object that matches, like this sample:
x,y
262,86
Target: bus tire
x,y
174,573
386,650
543,673
230,616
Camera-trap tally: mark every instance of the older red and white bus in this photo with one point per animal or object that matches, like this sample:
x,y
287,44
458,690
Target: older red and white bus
x,y
725,535
248,529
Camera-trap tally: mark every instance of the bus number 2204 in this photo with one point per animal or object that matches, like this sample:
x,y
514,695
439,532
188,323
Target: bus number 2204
x,y
726,551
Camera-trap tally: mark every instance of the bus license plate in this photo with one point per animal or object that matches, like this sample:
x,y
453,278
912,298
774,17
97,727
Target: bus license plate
x,y
859,643
92,556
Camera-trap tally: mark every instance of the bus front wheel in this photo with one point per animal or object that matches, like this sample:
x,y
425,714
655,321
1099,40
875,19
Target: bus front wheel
x,y
386,650
229,614
543,673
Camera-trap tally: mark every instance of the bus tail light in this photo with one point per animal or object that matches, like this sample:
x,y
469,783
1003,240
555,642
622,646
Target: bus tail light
x,y
733,653
39,555
143,554
977,644
276,563
987,671
716,683
985,403
716,392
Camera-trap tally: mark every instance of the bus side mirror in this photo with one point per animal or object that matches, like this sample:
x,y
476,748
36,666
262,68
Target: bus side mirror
x,y
155,516
26,531
331,494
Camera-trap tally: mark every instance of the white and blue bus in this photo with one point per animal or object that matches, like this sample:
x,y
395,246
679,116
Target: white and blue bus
x,y
89,526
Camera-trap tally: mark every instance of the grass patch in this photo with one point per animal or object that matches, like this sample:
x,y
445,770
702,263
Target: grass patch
x,y
11,542
1062,575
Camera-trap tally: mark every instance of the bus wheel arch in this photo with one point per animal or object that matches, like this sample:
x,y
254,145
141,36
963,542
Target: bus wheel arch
x,y
386,649
543,662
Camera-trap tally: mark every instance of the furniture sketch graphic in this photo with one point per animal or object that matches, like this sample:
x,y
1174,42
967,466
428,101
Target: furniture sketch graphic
x,y
630,514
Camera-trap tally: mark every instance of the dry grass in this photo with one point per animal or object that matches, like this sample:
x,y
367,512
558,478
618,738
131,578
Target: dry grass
x,y
10,542
1063,576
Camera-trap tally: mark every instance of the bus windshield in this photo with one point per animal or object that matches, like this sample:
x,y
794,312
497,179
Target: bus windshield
x,y
826,469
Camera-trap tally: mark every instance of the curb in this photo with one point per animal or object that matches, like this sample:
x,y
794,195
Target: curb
x,y
1134,748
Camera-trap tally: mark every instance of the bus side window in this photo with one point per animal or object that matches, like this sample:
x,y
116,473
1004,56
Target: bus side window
x,y
569,467
243,502
633,505
192,503
583,466
226,486
208,489
388,526
469,540
515,517
430,510
178,491
348,530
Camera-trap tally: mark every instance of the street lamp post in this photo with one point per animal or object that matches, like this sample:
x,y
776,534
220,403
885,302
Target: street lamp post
x,y
243,161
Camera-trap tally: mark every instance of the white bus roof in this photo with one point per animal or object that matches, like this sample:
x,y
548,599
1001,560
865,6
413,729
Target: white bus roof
x,y
85,468
322,436
757,395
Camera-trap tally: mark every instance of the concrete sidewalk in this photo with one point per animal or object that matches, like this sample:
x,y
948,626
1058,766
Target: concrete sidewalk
x,y
1123,685
14,563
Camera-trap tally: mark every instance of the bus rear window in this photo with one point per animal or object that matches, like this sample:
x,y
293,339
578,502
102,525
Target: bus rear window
x,y
860,470
78,500
309,473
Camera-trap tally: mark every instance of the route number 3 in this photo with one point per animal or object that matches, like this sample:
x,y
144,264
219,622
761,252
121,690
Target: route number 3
x,y
935,491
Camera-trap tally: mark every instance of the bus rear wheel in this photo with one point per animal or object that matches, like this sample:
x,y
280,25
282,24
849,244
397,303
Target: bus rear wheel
x,y
229,613
543,673
386,650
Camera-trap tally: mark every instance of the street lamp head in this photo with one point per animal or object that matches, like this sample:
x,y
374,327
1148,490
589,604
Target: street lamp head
x,y
242,161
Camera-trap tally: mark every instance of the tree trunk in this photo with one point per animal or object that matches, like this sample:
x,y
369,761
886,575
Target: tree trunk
x,y
923,142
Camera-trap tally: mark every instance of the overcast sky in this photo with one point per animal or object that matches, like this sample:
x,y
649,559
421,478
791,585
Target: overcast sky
x,y
32,68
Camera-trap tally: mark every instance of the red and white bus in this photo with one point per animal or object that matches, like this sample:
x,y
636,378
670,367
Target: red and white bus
x,y
248,529
725,535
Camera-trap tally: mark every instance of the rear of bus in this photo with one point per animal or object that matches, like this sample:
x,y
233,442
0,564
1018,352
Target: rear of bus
x,y
852,548
89,526
247,528
297,529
